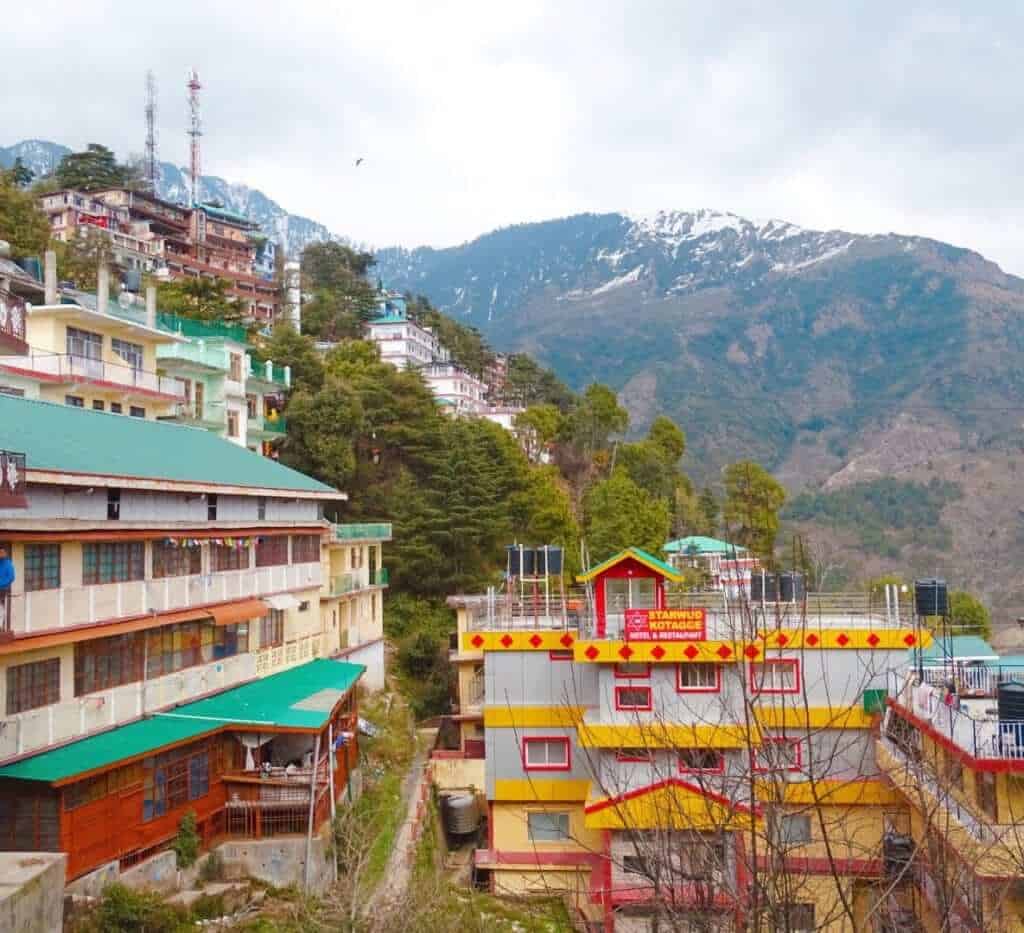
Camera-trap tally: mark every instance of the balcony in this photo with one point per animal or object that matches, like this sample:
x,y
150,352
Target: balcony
x,y
975,728
194,355
12,323
274,378
362,531
58,609
191,413
70,369
345,583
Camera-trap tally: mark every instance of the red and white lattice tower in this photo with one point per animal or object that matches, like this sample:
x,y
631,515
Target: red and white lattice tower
x,y
195,131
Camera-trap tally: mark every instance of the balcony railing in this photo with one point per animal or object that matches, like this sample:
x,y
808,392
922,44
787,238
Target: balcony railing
x,y
68,367
48,610
277,425
986,736
344,583
362,531
198,354
268,372
12,318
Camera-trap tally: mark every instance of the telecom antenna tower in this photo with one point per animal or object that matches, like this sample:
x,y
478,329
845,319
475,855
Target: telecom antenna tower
x,y
194,131
151,140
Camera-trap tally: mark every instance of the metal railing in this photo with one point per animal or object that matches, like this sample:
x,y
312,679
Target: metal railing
x,y
12,316
72,368
986,736
362,531
268,373
277,425
972,679
198,353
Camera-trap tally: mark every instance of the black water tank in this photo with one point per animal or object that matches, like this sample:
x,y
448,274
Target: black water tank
x,y
764,587
931,598
521,560
791,587
549,560
132,280
1011,701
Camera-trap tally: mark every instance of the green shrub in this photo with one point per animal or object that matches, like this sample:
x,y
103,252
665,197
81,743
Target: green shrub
x,y
186,843
213,868
123,910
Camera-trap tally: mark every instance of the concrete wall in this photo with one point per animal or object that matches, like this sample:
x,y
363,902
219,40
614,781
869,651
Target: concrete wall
x,y
372,656
531,678
32,891
279,862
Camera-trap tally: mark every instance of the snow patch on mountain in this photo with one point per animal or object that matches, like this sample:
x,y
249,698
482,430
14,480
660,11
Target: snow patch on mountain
x,y
628,279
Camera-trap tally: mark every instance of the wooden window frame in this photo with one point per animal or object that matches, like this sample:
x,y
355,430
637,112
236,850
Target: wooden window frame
x,y
272,629
129,554
558,739
184,561
39,569
115,661
32,685
272,551
224,558
550,814
305,549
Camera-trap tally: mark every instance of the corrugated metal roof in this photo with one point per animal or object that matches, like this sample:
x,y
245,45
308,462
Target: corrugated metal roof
x,y
638,554
77,440
300,698
699,544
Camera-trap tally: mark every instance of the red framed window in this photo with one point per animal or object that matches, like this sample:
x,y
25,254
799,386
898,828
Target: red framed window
x,y
634,669
779,754
775,675
699,678
305,549
701,760
229,557
560,654
633,698
271,550
635,755
172,559
546,753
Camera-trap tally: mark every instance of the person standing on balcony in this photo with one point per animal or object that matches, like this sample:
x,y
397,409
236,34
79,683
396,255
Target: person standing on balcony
x,y
6,581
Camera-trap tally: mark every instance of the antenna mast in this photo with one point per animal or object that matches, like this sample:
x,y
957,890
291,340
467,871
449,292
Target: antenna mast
x,y
151,141
194,131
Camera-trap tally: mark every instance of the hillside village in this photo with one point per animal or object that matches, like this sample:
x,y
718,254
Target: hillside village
x,y
317,612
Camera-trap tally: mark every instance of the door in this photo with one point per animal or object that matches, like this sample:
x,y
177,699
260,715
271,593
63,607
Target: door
x,y
200,393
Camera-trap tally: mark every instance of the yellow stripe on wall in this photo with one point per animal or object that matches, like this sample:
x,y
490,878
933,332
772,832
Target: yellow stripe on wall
x,y
539,640
665,735
527,716
831,792
546,789
813,717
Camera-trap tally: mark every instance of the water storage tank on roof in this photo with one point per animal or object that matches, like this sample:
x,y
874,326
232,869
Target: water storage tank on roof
x,y
791,587
764,587
1011,701
930,597
521,560
549,560
462,815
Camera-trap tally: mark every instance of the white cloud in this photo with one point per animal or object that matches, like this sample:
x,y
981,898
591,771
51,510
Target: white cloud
x,y
868,117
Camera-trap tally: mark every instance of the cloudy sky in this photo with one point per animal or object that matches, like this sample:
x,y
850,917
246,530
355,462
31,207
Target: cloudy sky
x,y
873,117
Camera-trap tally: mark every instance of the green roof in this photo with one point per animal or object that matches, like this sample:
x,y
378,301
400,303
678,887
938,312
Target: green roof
x,y
221,213
957,646
637,554
270,701
77,440
698,544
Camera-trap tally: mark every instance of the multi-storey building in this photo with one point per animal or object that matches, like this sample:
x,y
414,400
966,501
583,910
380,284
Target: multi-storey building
x,y
457,391
352,595
666,759
162,647
953,745
151,234
723,566
403,342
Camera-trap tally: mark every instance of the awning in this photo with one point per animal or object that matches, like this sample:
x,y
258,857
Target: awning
x,y
233,613
281,601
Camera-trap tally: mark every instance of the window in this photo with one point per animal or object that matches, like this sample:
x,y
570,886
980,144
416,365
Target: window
x,y
546,754
636,698
113,504
777,675
131,353
636,669
176,559
560,655
174,778
272,629
115,408
97,404
229,556
251,406
985,793
32,685
137,412
635,755
113,562
102,663
634,865
10,390
791,829
271,551
304,606
778,754
305,549
261,508
83,792
173,648
84,344
547,827
235,367
800,918
75,401
42,567
232,424
698,678
211,507
701,759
